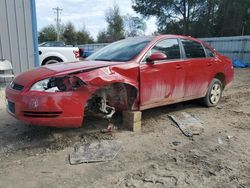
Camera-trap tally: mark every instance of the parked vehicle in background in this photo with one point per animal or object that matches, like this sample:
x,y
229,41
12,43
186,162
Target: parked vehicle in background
x,y
131,74
52,44
89,49
50,55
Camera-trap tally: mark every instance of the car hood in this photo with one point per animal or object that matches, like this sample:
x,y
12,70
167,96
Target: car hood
x,y
79,65
30,77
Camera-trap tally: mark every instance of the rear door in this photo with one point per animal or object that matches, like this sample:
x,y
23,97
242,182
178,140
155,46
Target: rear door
x,y
197,69
163,81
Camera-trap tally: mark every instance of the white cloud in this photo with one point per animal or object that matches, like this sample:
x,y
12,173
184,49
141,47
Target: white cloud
x,y
83,12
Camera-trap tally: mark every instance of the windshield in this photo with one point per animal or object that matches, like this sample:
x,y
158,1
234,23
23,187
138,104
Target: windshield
x,y
124,50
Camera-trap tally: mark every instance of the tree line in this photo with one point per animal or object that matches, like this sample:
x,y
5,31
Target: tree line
x,y
197,18
119,27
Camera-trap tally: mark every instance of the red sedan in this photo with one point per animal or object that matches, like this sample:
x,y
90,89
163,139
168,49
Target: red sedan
x,y
131,74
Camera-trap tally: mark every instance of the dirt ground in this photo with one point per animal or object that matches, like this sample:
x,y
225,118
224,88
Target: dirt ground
x,y
219,157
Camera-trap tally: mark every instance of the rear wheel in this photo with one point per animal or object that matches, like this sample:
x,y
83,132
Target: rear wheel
x,y
214,93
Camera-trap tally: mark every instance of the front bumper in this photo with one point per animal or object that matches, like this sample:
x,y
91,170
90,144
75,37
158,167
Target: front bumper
x,y
59,109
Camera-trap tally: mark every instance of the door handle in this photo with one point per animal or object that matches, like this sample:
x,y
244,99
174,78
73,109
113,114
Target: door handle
x,y
178,67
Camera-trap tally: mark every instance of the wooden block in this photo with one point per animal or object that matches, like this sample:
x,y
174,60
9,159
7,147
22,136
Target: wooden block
x,y
137,126
133,126
132,116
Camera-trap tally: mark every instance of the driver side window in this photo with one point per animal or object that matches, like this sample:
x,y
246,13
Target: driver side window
x,y
170,47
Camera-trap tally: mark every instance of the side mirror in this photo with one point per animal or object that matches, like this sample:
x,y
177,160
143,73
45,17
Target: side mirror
x,y
156,57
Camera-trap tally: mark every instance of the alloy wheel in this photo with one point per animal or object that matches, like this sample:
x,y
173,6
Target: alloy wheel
x,y
215,93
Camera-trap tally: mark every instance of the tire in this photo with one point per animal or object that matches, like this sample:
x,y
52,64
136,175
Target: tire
x,y
214,93
51,60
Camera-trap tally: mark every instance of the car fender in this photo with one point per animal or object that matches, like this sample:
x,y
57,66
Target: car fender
x,y
108,75
102,77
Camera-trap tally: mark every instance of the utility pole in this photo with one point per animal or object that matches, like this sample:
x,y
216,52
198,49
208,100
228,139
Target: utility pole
x,y
58,11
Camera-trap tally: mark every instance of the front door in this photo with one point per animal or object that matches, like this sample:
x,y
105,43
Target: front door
x,y
163,81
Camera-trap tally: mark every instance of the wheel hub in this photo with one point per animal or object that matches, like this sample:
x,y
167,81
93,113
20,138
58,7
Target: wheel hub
x,y
215,93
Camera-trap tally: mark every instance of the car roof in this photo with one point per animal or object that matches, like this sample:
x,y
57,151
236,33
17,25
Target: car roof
x,y
183,37
157,37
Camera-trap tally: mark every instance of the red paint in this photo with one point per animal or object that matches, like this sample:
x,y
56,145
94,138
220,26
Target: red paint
x,y
161,83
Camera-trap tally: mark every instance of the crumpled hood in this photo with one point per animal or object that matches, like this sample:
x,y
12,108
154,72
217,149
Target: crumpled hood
x,y
30,77
79,65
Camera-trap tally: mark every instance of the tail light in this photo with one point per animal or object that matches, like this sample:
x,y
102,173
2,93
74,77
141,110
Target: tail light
x,y
76,54
81,52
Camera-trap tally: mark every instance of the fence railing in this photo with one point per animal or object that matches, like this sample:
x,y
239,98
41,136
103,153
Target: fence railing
x,y
237,47
92,47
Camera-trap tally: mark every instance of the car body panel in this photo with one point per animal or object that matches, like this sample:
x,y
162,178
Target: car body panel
x,y
197,76
34,107
156,85
159,83
29,77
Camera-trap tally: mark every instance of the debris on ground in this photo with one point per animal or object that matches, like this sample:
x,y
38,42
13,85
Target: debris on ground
x,y
176,143
109,129
220,141
188,124
105,150
219,107
229,137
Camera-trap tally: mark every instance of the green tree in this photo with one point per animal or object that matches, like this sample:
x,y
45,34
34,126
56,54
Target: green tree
x,y
170,12
47,33
83,37
102,37
199,18
203,25
134,26
233,18
115,30
69,34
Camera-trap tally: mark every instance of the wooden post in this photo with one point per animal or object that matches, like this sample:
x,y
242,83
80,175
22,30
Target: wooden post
x,y
132,120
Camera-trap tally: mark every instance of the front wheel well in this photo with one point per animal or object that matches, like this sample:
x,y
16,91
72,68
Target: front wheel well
x,y
122,96
221,77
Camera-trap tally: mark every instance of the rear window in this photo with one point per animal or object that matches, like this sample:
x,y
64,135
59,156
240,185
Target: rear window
x,y
193,49
210,53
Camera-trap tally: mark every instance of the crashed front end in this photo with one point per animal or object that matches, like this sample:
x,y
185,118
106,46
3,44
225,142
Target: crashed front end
x,y
59,104
60,99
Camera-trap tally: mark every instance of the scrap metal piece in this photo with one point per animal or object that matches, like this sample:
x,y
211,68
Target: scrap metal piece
x,y
105,150
176,143
188,124
103,103
109,129
109,111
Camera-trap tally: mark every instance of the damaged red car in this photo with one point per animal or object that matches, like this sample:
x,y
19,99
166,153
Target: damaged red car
x,y
131,74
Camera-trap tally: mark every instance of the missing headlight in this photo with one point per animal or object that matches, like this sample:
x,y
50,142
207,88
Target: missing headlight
x,y
58,84
66,83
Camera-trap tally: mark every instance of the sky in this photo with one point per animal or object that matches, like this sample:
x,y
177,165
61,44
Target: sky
x,y
88,13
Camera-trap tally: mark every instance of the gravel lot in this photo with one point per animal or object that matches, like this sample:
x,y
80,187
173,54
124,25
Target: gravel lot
x,y
219,157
